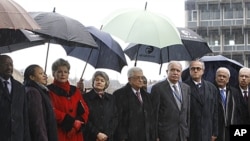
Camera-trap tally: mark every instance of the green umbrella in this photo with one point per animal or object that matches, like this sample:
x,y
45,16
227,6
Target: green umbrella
x,y
142,27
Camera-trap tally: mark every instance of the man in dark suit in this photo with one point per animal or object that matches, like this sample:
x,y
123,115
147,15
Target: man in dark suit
x,y
203,105
13,115
170,100
227,106
135,122
242,99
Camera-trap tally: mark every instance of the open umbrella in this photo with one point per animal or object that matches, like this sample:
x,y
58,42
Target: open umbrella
x,y
195,44
109,54
62,30
13,16
12,40
212,63
142,27
156,54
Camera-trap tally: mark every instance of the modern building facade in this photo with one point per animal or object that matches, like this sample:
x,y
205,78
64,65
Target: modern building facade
x,y
224,24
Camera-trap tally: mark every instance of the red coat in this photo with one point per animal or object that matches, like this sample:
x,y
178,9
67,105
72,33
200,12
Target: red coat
x,y
66,102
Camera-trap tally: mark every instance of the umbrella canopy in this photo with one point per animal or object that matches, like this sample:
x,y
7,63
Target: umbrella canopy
x,y
142,27
62,30
109,54
195,44
13,16
155,54
12,40
212,63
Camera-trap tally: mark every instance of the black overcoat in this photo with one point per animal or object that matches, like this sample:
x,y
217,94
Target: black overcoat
x,y
203,111
135,121
228,115
102,115
13,116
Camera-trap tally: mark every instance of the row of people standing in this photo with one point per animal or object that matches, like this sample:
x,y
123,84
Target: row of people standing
x,y
174,110
36,112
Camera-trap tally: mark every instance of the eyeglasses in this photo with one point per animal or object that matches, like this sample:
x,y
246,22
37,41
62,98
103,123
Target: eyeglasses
x,y
195,68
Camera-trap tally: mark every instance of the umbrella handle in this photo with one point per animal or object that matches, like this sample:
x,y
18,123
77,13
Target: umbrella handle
x,y
47,56
137,55
86,62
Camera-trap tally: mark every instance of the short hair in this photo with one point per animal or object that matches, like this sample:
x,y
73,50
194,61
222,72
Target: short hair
x,y
3,57
102,74
197,60
60,62
174,62
224,69
132,70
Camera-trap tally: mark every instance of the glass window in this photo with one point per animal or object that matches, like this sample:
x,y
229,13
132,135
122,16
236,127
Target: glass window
x,y
212,38
214,11
239,36
248,37
238,10
194,15
204,15
228,11
229,38
248,10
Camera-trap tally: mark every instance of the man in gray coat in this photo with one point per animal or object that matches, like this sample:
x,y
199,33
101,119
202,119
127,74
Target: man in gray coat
x,y
203,105
170,100
13,115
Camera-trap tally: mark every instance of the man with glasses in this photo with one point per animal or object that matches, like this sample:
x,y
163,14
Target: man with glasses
x,y
203,105
170,100
135,122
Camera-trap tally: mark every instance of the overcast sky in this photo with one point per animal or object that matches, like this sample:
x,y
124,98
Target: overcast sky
x,y
92,13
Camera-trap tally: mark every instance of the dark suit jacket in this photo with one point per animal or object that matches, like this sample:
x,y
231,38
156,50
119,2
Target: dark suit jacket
x,y
203,111
171,123
229,115
135,122
14,113
243,108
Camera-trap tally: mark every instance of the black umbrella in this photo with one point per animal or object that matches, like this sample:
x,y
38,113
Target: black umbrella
x,y
195,44
212,63
109,54
62,30
156,54
12,40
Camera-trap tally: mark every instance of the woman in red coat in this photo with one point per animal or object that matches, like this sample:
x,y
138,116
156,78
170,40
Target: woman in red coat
x,y
70,109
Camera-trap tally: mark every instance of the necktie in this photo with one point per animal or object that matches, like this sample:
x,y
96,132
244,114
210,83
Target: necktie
x,y
6,89
177,96
223,97
245,96
198,85
138,94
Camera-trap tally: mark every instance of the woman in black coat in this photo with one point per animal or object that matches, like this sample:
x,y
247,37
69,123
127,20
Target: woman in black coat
x,y
102,108
42,121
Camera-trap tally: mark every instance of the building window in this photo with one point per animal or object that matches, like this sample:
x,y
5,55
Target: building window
x,y
248,10
235,37
194,15
233,11
212,38
210,12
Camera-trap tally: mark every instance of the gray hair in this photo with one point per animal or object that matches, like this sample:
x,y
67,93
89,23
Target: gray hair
x,y
197,60
102,74
132,70
60,62
223,69
174,62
